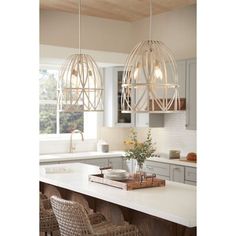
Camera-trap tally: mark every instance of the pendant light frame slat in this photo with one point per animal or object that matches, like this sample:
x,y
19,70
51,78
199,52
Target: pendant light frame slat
x,y
147,84
80,85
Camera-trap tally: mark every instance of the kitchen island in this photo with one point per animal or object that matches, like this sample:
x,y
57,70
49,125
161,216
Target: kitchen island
x,y
175,203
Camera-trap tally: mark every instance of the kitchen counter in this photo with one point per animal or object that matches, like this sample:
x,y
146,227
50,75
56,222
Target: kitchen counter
x,y
94,155
78,156
181,162
175,202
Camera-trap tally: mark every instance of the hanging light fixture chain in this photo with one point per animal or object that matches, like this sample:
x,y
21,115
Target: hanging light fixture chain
x,y
150,21
79,25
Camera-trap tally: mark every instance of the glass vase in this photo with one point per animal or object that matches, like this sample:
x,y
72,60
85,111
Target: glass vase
x,y
138,168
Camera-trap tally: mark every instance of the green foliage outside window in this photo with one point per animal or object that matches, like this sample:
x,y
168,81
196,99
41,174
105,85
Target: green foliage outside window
x,y
71,121
48,108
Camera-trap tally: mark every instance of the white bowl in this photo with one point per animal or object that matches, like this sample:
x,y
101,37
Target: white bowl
x,y
116,174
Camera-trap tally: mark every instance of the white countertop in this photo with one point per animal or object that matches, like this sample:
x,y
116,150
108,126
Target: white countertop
x,y
78,156
180,162
175,202
93,155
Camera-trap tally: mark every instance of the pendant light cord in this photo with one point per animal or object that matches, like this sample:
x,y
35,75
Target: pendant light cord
x,y
79,26
150,21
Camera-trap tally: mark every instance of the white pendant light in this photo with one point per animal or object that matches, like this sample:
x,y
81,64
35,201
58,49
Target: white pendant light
x,y
80,83
150,79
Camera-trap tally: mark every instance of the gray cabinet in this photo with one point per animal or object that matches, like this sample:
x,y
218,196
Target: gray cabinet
x,y
113,117
96,162
157,120
172,172
115,163
162,170
177,173
191,99
190,175
151,120
181,69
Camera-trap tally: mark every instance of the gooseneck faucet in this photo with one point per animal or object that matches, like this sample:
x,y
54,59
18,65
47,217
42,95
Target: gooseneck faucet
x,y
72,148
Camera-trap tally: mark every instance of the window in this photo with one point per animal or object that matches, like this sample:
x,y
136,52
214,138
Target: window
x,y
54,122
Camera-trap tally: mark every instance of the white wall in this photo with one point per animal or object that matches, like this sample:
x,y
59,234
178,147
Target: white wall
x,y
177,29
114,137
62,29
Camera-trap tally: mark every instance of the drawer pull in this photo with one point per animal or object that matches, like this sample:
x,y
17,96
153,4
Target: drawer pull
x,y
176,168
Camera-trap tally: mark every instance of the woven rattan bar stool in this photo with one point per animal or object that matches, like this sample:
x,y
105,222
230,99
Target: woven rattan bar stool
x,y
94,217
74,221
48,221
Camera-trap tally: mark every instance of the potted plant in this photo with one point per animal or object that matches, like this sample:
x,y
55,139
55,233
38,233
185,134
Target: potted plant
x,y
139,151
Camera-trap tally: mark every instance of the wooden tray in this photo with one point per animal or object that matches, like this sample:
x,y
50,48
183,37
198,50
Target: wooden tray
x,y
134,182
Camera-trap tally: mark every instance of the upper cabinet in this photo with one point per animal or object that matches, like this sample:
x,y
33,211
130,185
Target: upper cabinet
x,y
157,119
191,92
113,117
181,69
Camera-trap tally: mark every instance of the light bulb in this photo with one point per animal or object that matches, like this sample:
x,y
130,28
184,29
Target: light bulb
x,y
136,71
158,72
75,72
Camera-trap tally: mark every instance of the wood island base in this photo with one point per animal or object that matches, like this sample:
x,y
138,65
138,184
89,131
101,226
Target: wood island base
x,y
147,224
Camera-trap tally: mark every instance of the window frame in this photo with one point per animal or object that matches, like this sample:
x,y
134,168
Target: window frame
x,y
66,136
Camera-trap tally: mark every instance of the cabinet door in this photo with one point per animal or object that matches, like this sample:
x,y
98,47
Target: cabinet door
x,y
162,170
96,162
191,85
115,163
181,70
190,174
177,173
149,120
121,119
113,117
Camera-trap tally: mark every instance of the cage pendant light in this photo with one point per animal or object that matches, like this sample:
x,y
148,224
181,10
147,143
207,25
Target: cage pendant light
x,y
80,87
150,79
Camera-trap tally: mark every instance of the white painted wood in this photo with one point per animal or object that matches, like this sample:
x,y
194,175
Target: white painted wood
x,y
162,202
191,93
177,173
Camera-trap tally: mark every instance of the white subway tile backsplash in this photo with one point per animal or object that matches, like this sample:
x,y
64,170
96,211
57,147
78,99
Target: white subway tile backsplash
x,y
174,135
